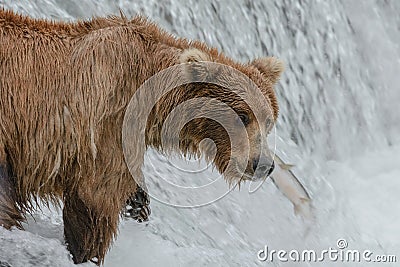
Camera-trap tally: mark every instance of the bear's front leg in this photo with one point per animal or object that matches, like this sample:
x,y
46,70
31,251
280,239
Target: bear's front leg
x,y
89,225
10,213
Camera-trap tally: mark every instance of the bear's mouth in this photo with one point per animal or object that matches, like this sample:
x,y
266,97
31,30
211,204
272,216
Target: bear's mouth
x,y
253,178
248,176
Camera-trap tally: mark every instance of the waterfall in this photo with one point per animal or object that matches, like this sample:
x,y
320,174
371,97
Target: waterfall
x,y
339,122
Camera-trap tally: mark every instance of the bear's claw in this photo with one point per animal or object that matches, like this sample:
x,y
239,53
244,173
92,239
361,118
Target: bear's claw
x,y
138,206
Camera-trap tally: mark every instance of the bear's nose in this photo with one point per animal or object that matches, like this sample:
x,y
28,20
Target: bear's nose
x,y
263,166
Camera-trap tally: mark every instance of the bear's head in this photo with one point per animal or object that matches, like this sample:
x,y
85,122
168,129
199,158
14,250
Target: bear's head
x,y
229,110
223,112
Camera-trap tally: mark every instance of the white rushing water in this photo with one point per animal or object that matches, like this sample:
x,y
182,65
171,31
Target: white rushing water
x,y
339,123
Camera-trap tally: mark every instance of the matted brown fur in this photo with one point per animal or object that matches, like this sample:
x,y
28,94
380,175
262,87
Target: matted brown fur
x,y
64,89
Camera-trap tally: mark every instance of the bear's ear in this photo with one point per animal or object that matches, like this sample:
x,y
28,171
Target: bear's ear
x,y
270,67
195,66
191,55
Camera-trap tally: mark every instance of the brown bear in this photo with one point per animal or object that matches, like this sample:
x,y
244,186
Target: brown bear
x,y
64,90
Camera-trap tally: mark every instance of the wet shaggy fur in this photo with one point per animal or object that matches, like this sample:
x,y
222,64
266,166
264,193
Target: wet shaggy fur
x,y
64,89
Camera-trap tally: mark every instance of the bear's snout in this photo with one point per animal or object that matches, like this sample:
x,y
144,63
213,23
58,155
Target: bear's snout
x,y
263,166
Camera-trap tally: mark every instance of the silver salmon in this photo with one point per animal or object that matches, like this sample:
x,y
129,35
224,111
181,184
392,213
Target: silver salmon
x,y
291,187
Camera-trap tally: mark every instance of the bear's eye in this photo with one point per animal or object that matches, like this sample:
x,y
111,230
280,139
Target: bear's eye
x,y
244,118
